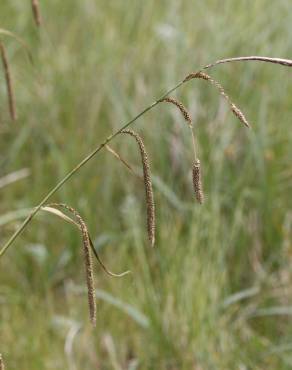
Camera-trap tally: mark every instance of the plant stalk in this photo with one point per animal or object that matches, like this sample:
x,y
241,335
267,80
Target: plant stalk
x,y
81,164
284,62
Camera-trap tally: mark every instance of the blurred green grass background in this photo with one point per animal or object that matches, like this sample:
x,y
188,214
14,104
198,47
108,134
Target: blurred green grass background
x,y
215,293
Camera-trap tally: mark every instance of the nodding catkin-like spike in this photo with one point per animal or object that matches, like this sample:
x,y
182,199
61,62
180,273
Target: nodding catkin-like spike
x,y
9,85
89,271
2,367
235,110
51,208
87,260
181,107
36,12
197,181
148,186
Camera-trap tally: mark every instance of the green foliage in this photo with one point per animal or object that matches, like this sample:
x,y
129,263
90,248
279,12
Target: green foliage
x,y
215,293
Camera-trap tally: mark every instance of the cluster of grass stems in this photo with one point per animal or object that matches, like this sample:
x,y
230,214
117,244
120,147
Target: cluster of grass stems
x,y
75,218
197,175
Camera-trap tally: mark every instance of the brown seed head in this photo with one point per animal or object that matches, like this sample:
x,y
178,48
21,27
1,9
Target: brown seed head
x,y
235,110
197,182
181,107
238,113
87,260
36,12
148,186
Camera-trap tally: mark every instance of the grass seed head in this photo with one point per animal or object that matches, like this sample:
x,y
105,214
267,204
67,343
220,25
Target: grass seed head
x,y
197,181
181,107
87,261
148,186
36,12
234,109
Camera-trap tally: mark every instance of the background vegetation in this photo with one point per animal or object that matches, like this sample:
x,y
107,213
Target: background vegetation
x,y
215,293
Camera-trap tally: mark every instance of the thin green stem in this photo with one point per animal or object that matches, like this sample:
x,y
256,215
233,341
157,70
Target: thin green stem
x,y
285,62
81,164
194,143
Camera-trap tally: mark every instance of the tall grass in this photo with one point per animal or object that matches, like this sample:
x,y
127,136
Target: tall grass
x,y
215,293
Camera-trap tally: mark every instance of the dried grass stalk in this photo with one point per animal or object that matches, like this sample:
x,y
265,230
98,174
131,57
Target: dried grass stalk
x,y
197,181
51,209
36,12
87,260
2,367
148,186
121,159
9,84
103,265
283,62
181,107
235,110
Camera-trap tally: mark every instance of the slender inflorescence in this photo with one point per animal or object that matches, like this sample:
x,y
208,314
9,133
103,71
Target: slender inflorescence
x,y
197,181
148,186
181,107
235,110
2,367
36,12
9,84
95,151
87,260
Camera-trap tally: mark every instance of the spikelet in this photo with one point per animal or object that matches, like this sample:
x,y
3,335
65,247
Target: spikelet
x,y
87,261
9,84
36,12
235,110
181,107
197,181
2,367
148,186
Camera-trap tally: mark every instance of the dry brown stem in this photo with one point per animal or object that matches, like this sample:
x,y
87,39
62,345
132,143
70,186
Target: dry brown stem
x,y
9,84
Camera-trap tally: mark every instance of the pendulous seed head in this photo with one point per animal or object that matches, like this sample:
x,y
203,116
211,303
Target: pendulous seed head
x,y
238,113
9,84
87,261
148,186
88,270
234,109
36,12
197,181
181,107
